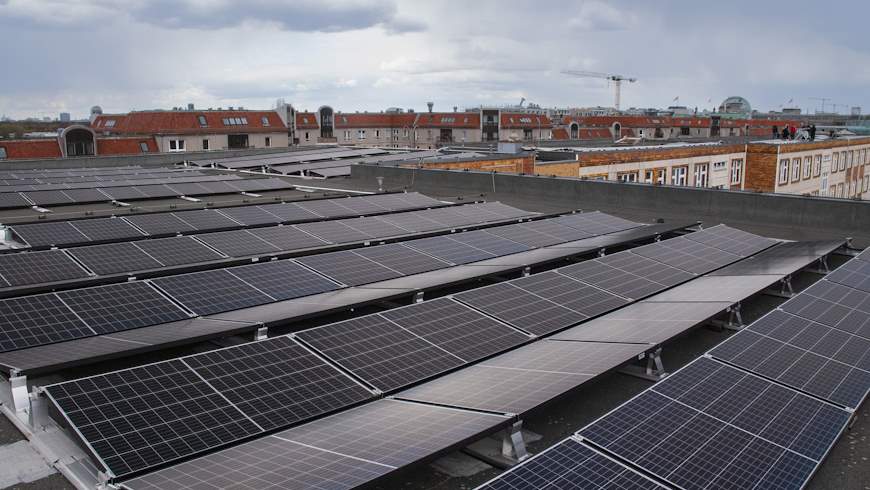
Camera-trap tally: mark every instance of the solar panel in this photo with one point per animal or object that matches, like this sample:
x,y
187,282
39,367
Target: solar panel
x,y
106,229
325,208
393,432
19,269
526,234
525,378
414,221
218,187
334,231
349,268
206,219
13,200
810,357
456,328
121,306
236,243
617,281
570,464
254,185
401,258
287,238
865,255
833,305
360,205
644,322
397,202
37,320
277,382
521,308
505,211
379,351
187,189
490,243
569,293
159,223
647,268
685,254
114,258
48,198
854,273
283,279
265,462
156,190
210,292
289,212
178,250
449,250
43,234
250,215
121,193
596,223
450,218
374,227
732,240
86,195
142,417
785,258
717,288
710,425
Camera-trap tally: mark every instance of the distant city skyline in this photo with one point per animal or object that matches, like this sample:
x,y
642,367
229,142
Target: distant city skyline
x,y
373,54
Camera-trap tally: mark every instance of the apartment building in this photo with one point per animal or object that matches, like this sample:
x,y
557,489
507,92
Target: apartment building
x,y
662,127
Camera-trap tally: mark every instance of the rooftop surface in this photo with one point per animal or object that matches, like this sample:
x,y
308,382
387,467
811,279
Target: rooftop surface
x,y
844,467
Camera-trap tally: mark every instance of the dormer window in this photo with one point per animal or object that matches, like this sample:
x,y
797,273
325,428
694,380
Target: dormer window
x,y
110,123
265,121
202,122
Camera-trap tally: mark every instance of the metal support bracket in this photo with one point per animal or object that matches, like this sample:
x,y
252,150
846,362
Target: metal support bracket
x,y
527,271
20,397
262,333
821,267
657,238
38,415
513,446
785,290
735,319
418,297
602,252
651,367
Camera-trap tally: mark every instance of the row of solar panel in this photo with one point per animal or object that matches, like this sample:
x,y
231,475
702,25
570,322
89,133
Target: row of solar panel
x,y
742,416
104,172
512,382
151,179
51,266
25,322
7,185
126,192
387,351
60,233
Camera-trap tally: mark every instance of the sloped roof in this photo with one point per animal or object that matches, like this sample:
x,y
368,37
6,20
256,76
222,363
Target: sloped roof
x,y
124,146
306,120
516,120
24,149
375,119
188,122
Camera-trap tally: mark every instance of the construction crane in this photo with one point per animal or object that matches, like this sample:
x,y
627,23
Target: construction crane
x,y
616,79
824,101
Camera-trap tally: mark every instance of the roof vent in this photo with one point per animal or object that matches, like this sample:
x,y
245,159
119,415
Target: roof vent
x,y
430,105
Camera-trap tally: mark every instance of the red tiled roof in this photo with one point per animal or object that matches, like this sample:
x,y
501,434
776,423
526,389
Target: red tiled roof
x,y
187,122
527,121
24,149
448,120
375,120
560,134
124,146
306,120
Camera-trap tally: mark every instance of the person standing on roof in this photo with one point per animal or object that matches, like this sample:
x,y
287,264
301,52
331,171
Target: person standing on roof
x,y
812,132
792,131
785,132
775,132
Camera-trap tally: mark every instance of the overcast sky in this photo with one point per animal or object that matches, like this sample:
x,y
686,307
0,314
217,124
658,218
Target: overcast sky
x,y
67,55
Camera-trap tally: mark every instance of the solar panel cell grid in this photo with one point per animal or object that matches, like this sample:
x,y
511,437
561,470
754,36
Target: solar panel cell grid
x,y
380,352
570,464
525,234
42,234
287,238
20,269
288,212
145,416
617,281
349,268
114,258
159,223
415,221
732,240
48,198
277,382
210,292
86,195
236,243
121,306
206,219
121,193
571,294
325,208
854,273
456,328
401,258
834,305
13,200
177,250
375,227
36,320
490,243
106,229
250,215
283,279
449,250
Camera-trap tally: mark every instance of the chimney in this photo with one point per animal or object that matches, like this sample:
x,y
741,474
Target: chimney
x,y
455,109
190,106
430,105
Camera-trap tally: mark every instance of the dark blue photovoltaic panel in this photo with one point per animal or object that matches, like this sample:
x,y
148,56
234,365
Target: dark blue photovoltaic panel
x,y
210,292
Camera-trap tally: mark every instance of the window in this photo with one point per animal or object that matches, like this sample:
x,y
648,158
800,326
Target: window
x,y
678,175
824,184
205,144
842,160
265,121
866,182
202,122
851,159
2,153
718,166
143,147
235,121
268,141
832,191
347,135
176,145
795,169
377,134
627,177
110,123
701,174
783,171
361,134
807,170
817,168
307,137
405,132
684,131
736,170
835,162
839,190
